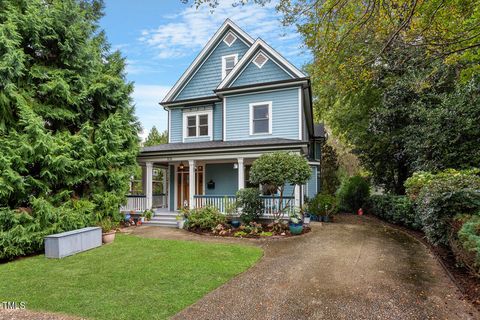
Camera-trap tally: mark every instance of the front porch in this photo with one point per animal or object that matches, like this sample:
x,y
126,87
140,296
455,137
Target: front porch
x,y
199,183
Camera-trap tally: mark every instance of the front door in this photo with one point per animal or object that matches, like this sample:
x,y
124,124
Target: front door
x,y
183,185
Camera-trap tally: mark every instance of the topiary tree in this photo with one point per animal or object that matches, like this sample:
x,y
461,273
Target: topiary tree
x,y
278,169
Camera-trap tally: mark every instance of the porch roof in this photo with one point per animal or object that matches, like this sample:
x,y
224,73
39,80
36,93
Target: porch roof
x,y
241,144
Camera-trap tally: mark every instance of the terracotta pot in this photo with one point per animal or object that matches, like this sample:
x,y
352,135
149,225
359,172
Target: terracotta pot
x,y
108,237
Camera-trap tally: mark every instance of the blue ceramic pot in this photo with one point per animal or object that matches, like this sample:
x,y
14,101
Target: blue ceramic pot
x,y
235,223
295,228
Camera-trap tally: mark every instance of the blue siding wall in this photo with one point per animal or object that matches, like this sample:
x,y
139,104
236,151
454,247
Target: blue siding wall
x,y
224,176
218,121
172,188
209,75
270,71
312,184
284,114
176,125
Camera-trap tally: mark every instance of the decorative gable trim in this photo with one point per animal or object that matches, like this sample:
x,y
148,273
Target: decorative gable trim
x,y
260,44
229,39
203,54
260,59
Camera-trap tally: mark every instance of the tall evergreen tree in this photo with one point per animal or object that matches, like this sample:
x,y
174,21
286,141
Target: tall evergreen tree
x,y
154,137
67,125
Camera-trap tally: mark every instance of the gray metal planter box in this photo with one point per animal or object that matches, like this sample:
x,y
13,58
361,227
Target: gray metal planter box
x,y
71,242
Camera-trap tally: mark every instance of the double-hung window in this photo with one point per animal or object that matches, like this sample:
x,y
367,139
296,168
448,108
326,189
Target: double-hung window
x,y
197,124
228,62
261,118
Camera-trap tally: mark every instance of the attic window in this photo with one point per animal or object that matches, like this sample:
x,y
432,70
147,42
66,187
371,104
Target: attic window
x,y
229,39
228,62
260,60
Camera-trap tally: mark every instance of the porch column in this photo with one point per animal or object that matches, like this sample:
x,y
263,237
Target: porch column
x,y
191,182
148,184
297,196
241,174
164,189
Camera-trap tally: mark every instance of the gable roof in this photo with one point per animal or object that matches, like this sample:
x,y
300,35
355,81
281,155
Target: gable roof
x,y
259,44
228,24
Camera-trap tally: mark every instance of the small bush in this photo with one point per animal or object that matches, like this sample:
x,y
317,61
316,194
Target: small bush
x,y
353,193
394,209
252,205
206,218
469,237
322,205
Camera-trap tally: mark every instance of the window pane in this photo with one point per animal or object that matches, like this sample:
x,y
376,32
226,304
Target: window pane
x,y
260,112
260,126
203,130
203,119
192,131
229,63
192,121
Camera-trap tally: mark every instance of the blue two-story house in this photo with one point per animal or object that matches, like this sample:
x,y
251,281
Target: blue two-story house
x,y
237,100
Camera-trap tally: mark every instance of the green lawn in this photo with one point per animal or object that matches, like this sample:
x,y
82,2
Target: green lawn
x,y
133,278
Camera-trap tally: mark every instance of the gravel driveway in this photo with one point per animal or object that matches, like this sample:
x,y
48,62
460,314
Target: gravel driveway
x,y
353,269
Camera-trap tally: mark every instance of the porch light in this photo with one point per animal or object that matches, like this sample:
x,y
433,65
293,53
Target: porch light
x,y
181,166
235,166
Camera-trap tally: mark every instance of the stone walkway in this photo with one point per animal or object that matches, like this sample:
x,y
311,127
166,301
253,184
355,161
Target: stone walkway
x,y
352,269
355,268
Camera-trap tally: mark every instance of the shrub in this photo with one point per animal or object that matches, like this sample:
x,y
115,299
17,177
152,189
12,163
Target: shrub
x,y
353,193
252,205
445,196
206,218
469,237
322,205
394,209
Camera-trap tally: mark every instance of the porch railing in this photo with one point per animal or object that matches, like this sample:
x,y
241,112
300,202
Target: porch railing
x,y
135,203
221,202
139,202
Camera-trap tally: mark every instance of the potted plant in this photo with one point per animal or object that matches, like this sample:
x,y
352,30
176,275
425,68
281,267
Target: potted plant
x,y
147,214
180,220
305,214
231,213
108,230
296,223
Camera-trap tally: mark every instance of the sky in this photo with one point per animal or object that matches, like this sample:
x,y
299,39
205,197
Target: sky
x,y
160,38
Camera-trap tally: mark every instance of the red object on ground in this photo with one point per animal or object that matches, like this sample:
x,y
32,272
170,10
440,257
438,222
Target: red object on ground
x,y
360,212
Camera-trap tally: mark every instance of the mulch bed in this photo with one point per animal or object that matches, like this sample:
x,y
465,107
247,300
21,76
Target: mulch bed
x,y
249,236
466,283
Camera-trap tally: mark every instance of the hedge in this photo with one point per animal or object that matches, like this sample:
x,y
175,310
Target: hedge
x,y
395,209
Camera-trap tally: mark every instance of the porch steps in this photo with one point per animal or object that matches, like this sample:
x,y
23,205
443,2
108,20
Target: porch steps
x,y
163,219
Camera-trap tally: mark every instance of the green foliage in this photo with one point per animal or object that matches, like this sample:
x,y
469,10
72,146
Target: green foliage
x,y
265,234
278,169
107,225
155,138
67,126
469,236
240,234
148,214
445,196
249,201
329,170
322,205
353,194
206,218
395,209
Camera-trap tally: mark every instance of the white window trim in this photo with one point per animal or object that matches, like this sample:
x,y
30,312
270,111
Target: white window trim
x,y
224,59
234,39
270,119
209,114
255,58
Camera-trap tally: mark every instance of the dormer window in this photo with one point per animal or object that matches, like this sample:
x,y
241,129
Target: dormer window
x,y
260,60
228,62
229,39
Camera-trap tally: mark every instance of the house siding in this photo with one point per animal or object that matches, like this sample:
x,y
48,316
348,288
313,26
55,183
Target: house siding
x,y
312,184
218,121
209,75
284,114
252,74
176,129
224,176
